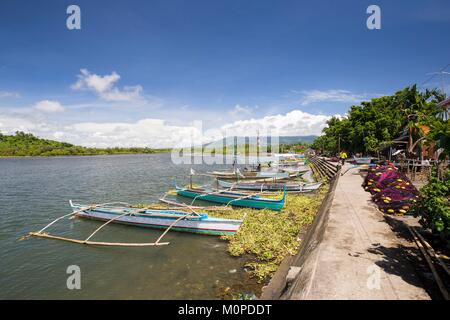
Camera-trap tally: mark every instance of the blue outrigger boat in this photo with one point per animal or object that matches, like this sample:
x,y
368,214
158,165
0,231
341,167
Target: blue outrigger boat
x,y
232,198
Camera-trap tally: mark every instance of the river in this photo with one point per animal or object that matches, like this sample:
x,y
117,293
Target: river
x,y
35,190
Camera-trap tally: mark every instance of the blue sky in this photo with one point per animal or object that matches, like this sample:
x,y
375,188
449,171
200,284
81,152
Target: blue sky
x,y
234,64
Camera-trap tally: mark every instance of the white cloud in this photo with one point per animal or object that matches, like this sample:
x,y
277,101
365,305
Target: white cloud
x,y
294,123
154,133
9,94
312,96
10,125
104,86
158,133
49,106
241,111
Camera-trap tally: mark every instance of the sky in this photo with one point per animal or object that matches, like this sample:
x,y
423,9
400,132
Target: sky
x,y
160,73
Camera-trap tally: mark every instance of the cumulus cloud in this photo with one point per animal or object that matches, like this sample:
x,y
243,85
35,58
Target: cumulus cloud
x,y
154,133
158,133
312,96
49,106
104,86
294,123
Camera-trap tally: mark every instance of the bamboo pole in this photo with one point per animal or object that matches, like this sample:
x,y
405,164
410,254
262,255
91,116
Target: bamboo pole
x,y
204,195
69,214
106,223
170,227
436,276
433,253
195,207
243,197
97,243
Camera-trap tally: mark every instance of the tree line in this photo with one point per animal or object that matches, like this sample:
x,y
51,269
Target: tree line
x,y
373,125
26,144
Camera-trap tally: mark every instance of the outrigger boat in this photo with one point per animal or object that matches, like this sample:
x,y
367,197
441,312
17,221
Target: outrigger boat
x,y
255,175
363,160
286,163
191,222
271,186
232,198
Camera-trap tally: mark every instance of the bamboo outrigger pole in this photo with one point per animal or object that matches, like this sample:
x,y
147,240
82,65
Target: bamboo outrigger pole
x,y
243,197
107,222
66,215
96,243
164,200
42,234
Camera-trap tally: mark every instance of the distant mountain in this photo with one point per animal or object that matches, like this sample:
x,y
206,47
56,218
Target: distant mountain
x,y
297,139
263,140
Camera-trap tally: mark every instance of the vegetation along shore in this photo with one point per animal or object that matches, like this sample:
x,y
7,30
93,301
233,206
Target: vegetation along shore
x,y
25,144
266,237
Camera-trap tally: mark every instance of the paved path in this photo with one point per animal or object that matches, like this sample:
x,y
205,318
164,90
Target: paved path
x,y
358,249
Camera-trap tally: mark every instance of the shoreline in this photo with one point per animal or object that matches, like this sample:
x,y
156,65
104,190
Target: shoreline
x,y
82,155
266,239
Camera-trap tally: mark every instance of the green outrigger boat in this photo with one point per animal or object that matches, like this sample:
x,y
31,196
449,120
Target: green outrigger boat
x,y
231,198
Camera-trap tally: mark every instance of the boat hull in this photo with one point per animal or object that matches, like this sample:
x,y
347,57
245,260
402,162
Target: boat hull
x,y
361,161
270,186
250,202
263,175
201,225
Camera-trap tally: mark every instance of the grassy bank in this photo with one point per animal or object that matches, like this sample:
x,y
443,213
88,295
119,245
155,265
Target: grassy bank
x,y
269,236
266,236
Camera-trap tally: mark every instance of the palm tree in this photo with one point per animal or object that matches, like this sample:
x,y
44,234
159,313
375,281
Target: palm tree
x,y
416,108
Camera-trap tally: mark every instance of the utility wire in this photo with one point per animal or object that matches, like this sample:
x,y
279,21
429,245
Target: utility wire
x,y
435,74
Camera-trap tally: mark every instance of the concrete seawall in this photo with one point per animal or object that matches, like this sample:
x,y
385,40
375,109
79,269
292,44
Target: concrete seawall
x,y
349,252
310,238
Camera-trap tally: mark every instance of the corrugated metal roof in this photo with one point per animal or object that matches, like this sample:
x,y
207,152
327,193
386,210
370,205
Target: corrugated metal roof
x,y
444,103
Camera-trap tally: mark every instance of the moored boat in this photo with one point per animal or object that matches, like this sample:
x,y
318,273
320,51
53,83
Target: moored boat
x,y
192,222
252,175
232,198
271,186
363,160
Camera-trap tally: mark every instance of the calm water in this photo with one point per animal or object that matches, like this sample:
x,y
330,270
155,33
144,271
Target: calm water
x,y
34,191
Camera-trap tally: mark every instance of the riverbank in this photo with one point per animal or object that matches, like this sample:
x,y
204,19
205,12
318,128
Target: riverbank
x,y
84,155
266,238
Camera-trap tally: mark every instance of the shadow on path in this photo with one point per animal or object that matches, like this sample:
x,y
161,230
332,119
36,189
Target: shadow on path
x,y
405,260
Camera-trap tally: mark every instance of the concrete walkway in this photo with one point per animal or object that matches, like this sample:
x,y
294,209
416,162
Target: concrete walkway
x,y
359,256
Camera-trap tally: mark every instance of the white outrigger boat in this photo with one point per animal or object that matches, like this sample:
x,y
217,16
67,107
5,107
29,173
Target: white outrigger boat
x,y
187,222
120,212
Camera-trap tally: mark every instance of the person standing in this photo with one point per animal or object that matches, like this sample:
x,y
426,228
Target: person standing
x,y
342,157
